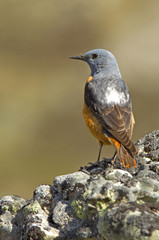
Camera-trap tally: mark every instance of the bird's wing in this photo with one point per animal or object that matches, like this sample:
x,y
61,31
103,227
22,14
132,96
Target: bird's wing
x,y
119,122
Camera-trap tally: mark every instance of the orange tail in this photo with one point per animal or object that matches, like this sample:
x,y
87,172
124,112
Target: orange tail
x,y
126,159
125,155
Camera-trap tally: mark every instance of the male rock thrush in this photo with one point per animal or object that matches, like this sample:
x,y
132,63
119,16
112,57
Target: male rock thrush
x,y
107,105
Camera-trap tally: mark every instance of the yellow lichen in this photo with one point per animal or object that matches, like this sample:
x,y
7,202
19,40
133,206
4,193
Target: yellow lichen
x,y
78,208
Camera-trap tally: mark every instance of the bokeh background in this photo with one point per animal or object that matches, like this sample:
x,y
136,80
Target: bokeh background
x,y
42,131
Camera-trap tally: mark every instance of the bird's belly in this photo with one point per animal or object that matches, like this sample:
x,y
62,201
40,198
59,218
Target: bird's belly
x,y
94,125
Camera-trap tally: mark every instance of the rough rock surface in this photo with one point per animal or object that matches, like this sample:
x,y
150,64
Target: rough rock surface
x,y
107,202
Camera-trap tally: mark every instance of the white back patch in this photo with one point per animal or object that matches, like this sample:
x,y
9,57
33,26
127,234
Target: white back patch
x,y
113,96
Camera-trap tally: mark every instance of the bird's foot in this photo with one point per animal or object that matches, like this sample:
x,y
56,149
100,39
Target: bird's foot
x,y
100,164
104,163
94,168
107,160
96,164
110,160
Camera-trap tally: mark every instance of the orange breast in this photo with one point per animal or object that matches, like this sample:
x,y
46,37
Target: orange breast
x,y
94,125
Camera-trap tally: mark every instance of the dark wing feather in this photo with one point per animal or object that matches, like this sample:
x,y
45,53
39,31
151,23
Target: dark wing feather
x,y
118,121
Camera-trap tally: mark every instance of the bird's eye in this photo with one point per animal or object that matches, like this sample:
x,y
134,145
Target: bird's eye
x,y
94,56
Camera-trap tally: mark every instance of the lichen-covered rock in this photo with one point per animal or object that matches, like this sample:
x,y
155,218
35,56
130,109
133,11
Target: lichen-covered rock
x,y
9,206
35,223
43,195
106,202
129,221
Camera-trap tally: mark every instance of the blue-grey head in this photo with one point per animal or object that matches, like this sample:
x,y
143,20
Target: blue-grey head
x,y
101,62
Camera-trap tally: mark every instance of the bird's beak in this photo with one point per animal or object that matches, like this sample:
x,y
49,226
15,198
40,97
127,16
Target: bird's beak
x,y
78,57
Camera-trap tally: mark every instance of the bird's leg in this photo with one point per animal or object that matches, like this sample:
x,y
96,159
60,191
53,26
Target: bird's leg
x,y
98,159
100,150
114,156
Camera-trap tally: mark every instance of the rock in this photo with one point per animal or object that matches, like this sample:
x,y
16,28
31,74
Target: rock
x,y
68,184
43,195
35,223
9,207
130,221
106,202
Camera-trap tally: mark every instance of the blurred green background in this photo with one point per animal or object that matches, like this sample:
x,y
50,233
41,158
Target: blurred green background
x,y
42,130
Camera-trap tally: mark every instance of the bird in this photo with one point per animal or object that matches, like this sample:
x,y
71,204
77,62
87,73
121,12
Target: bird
x,y
107,108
